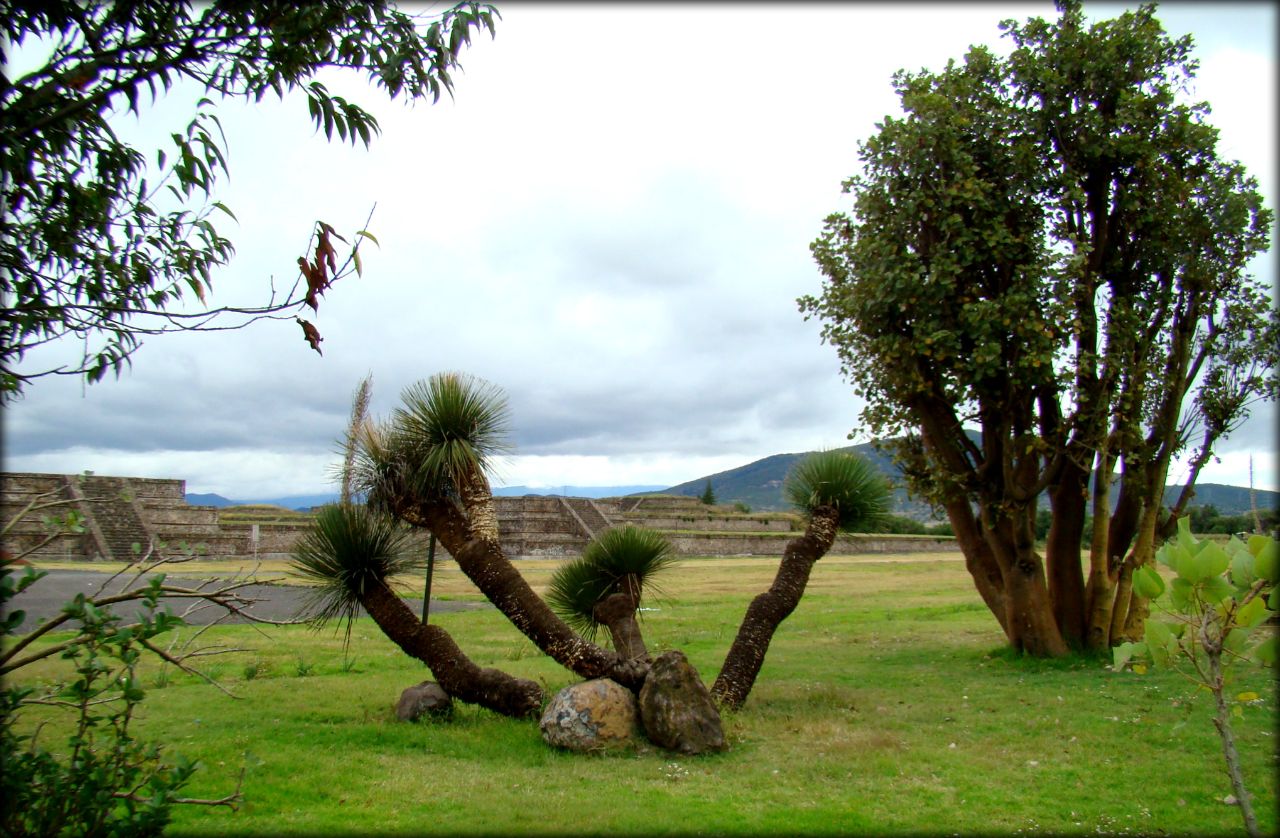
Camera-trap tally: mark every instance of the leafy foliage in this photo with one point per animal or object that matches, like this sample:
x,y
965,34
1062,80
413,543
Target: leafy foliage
x,y
620,559
1220,600
851,484
347,550
448,427
1049,247
102,781
104,242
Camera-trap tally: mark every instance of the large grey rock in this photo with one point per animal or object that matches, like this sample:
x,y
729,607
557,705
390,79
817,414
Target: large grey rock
x,y
425,699
594,715
676,708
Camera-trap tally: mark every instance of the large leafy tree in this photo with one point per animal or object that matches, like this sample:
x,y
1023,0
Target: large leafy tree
x,y
104,243
1049,250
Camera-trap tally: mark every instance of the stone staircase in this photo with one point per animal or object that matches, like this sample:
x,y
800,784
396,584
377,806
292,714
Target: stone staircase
x,y
590,516
110,509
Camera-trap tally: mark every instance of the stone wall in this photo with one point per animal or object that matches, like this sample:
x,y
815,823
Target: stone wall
x,y
532,526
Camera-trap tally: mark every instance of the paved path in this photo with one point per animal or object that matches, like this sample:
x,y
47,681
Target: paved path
x,y
45,598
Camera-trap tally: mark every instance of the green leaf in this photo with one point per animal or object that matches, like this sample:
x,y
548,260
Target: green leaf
x,y
1216,589
1147,582
1247,696
1266,561
1211,560
1273,599
1121,654
1266,651
1242,569
1252,613
368,236
1181,592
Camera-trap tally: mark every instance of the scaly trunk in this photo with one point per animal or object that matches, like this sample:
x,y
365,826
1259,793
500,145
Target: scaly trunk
x,y
484,563
456,673
618,613
768,610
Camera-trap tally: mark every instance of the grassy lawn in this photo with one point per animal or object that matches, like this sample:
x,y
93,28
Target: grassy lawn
x,y
885,706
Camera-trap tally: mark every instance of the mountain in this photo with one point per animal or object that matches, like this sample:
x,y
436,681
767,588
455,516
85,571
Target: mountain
x,y
305,502
575,491
759,486
299,502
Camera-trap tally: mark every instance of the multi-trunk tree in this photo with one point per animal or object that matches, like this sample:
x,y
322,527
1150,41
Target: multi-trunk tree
x,y
1048,249
425,467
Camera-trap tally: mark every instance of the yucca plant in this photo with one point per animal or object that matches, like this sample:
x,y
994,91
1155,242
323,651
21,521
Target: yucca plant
x,y
353,552
834,490
605,584
850,484
349,550
426,465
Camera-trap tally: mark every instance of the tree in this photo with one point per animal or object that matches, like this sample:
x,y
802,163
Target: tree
x,y
835,491
99,242
708,495
1049,248
603,586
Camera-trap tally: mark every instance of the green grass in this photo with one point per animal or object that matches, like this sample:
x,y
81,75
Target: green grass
x,y
887,705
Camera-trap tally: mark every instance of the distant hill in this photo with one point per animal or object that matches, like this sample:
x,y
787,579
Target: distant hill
x,y
759,486
305,502
575,491
299,502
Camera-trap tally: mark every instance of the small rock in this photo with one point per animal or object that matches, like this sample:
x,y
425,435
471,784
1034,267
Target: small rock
x,y
676,708
594,715
425,699
1230,800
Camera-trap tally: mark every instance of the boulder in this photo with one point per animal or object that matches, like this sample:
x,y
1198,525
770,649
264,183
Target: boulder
x,y
594,715
425,699
676,708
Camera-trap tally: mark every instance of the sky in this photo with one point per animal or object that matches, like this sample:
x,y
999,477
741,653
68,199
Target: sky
x,y
610,221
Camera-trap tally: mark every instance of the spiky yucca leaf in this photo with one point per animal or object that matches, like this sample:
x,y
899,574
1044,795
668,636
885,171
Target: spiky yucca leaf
x,y
851,484
607,563
448,426
347,550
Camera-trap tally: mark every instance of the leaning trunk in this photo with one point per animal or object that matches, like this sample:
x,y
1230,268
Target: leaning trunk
x,y
484,563
769,609
456,673
1029,620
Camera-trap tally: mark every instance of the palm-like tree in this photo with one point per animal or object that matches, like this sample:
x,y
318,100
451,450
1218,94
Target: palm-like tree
x,y
427,466
835,490
604,585
353,552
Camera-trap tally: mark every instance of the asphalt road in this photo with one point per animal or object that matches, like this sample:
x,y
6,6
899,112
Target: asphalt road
x,y
45,598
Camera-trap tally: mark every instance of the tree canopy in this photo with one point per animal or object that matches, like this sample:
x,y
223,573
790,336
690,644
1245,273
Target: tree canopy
x,y
1049,248
104,242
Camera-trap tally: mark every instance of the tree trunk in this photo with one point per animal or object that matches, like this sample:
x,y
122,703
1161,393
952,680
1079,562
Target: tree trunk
x,y
1062,553
484,563
618,613
979,560
1100,594
1029,621
768,610
455,672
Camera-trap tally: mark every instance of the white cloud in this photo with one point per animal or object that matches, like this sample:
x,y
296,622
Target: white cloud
x,y
610,221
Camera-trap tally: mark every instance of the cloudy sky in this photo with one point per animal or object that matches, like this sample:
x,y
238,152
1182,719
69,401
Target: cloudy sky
x,y
610,221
